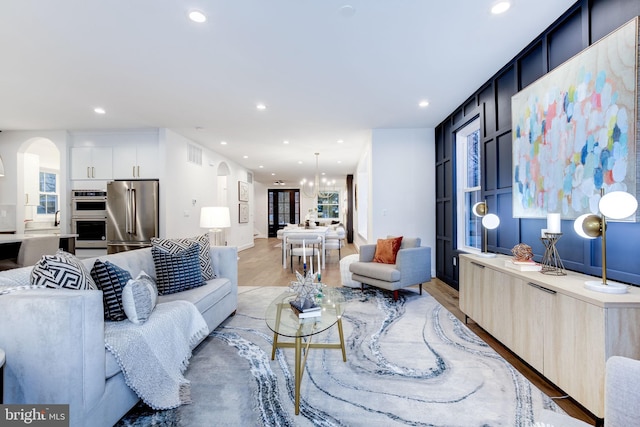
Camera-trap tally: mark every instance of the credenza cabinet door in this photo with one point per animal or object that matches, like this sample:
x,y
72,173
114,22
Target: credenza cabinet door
x,y
510,309
574,357
529,304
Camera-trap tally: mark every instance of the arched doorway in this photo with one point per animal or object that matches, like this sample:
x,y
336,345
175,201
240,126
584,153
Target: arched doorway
x,y
42,186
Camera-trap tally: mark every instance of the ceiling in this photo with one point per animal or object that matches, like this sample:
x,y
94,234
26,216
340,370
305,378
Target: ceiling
x,y
327,70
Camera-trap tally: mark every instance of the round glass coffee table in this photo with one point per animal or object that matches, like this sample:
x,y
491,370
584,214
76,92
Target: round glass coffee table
x,y
285,323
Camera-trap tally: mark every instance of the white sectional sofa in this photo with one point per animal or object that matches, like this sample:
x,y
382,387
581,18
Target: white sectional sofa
x,y
54,338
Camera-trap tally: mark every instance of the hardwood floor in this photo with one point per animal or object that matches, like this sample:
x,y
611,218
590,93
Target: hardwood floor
x,y
262,266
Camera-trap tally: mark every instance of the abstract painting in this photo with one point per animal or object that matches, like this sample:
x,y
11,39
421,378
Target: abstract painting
x,y
574,130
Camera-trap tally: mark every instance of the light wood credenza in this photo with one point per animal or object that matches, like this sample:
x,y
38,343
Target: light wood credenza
x,y
564,331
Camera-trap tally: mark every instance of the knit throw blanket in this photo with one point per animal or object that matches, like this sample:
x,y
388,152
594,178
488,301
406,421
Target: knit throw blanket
x,y
154,355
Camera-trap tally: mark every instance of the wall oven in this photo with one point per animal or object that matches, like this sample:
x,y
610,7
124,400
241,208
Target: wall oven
x,y
89,218
88,204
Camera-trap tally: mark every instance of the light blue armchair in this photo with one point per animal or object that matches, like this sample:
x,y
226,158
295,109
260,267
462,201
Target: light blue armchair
x,y
412,267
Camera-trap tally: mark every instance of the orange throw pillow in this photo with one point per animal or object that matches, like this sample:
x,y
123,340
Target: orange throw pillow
x,y
387,250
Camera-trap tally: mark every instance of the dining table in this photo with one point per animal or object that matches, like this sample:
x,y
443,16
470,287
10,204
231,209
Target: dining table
x,y
292,231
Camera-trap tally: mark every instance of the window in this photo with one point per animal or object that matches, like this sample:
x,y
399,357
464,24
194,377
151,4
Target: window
x,y
469,227
329,204
48,193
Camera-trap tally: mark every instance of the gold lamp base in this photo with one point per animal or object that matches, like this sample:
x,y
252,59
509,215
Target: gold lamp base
x,y
609,288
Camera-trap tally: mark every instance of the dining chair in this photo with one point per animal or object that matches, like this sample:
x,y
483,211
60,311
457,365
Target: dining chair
x,y
305,245
335,240
31,250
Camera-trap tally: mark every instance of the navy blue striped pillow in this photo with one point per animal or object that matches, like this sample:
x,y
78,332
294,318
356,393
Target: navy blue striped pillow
x,y
111,279
177,271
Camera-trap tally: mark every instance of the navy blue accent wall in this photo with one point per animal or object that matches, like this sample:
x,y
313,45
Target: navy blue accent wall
x,y
584,23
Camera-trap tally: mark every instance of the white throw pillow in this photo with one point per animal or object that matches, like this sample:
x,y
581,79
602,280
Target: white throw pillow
x,y
139,298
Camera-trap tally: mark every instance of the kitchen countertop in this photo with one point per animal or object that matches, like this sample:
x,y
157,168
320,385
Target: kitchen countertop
x,y
16,238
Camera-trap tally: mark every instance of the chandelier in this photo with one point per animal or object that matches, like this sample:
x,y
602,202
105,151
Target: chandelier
x,y
317,187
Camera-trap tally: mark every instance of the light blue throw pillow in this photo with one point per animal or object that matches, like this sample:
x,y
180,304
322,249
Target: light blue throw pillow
x,y
139,297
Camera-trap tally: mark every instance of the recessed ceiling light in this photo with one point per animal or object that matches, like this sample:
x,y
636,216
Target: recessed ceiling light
x,y
273,174
500,7
423,104
285,142
197,16
347,11
261,107
99,110
245,157
223,142
339,161
340,141
299,162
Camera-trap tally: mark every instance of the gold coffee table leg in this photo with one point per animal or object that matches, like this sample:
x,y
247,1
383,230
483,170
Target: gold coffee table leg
x,y
344,353
298,374
275,334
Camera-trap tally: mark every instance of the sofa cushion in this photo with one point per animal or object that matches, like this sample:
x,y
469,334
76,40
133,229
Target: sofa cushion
x,y
62,270
175,245
376,270
410,242
203,297
139,298
111,279
387,250
177,272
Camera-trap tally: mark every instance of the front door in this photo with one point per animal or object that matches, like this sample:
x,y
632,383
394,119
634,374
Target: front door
x,y
284,208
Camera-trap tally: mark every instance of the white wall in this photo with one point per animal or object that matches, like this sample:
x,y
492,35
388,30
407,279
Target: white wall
x,y
187,187
260,210
402,186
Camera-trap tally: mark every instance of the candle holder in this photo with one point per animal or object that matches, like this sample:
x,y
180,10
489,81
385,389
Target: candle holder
x,y
551,261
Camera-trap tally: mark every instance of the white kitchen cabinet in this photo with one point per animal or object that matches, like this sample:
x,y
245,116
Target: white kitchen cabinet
x,y
91,163
132,161
553,323
31,179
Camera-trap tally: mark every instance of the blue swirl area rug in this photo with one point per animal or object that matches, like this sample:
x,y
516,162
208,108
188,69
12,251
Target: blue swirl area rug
x,y
409,362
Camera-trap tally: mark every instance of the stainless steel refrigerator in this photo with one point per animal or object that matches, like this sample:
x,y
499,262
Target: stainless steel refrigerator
x,y
132,214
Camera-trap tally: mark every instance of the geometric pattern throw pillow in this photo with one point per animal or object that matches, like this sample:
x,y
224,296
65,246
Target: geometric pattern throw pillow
x,y
111,279
176,245
61,271
139,298
177,272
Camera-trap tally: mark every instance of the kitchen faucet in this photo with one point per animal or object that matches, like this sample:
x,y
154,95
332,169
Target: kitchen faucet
x,y
56,219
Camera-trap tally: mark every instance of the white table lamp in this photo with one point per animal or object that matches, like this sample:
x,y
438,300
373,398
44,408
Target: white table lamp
x,y
615,205
489,222
216,219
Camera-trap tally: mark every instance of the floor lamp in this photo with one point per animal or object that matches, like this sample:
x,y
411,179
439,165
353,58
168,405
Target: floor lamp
x,y
216,219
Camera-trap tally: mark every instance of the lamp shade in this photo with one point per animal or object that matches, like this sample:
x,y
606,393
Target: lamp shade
x,y
588,226
215,217
479,209
618,205
491,221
